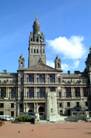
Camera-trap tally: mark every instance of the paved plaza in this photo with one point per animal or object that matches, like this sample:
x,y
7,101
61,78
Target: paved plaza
x,y
46,130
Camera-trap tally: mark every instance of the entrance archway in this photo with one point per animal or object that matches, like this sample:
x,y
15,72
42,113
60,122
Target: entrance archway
x,y
68,112
30,111
41,110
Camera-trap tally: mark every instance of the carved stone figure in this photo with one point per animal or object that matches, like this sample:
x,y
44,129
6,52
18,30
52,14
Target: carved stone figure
x,y
21,61
57,63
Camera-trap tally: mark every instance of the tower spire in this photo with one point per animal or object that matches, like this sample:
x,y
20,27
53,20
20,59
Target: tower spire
x,y
36,26
36,45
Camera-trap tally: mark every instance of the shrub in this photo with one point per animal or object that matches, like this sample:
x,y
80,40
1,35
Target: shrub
x,y
82,117
72,119
23,118
76,118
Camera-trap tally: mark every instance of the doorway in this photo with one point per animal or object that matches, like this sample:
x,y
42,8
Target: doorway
x,y
41,112
68,112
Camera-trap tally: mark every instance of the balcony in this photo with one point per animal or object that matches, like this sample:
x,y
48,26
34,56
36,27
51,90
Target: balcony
x,y
8,82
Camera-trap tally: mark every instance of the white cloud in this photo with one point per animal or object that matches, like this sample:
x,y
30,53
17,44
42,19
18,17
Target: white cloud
x,y
65,67
50,63
76,64
71,48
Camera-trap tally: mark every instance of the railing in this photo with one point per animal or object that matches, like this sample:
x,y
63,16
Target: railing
x,y
40,82
32,98
72,97
7,82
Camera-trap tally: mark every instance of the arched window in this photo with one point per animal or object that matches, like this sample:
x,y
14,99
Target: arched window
x,y
37,51
37,39
30,93
68,91
60,94
13,93
3,92
59,80
43,50
34,50
77,91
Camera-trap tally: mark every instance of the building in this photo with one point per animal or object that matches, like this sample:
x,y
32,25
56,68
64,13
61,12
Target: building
x,y
27,90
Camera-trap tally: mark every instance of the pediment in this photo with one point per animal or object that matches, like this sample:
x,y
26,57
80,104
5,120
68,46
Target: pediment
x,y
41,67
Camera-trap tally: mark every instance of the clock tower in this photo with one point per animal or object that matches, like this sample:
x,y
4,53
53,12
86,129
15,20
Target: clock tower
x,y
36,49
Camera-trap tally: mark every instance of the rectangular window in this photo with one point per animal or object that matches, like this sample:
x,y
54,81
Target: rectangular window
x,y
2,92
61,112
86,103
60,105
1,105
21,107
41,92
59,80
52,89
30,93
68,104
85,92
60,94
41,78
52,78
68,91
34,50
77,104
13,92
12,113
31,78
12,105
77,91
1,113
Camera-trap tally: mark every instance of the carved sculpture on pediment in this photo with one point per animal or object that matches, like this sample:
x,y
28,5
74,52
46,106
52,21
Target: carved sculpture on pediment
x,y
21,62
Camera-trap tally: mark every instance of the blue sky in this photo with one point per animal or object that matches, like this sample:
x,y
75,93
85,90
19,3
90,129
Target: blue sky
x,y
65,23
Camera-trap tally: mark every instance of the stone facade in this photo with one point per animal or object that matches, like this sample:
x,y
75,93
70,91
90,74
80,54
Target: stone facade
x,y
29,89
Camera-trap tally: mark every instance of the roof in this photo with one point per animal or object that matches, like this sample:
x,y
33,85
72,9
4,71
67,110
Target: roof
x,y
41,67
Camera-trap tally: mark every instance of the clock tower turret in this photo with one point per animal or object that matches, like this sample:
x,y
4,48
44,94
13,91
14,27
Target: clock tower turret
x,y
36,49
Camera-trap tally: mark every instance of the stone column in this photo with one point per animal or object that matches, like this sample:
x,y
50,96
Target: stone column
x,y
46,78
35,80
24,107
81,92
17,109
27,107
19,91
7,92
73,92
25,93
35,92
82,98
64,106
56,79
63,93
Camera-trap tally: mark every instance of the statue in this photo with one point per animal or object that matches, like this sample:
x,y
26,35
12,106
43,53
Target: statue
x,y
21,61
57,63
